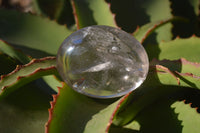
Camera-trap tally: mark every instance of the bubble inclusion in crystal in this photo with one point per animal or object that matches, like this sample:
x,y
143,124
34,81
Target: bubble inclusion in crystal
x,y
102,62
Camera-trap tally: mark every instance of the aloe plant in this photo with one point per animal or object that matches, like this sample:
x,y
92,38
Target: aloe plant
x,y
34,99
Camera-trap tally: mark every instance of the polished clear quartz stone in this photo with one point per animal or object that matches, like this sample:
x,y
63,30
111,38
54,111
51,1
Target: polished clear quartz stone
x,y
102,62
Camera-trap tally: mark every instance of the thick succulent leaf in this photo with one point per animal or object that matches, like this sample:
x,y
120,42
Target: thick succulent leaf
x,y
25,110
185,113
165,76
52,81
178,48
177,74
143,32
26,73
93,115
143,12
168,116
105,117
92,12
33,33
158,10
9,50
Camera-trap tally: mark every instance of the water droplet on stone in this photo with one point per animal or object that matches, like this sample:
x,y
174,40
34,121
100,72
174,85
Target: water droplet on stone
x,y
102,62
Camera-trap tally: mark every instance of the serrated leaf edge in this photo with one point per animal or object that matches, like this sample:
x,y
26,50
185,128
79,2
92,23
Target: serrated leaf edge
x,y
181,60
160,69
151,29
19,67
53,103
115,111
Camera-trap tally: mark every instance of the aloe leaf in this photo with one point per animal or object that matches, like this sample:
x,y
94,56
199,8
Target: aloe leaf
x,y
31,32
52,81
187,48
9,50
184,110
167,77
92,12
61,107
25,110
143,32
26,73
168,115
65,107
160,82
158,10
143,12
94,115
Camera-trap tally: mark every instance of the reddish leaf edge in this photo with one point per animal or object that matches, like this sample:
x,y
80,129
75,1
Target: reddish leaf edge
x,y
157,25
76,16
19,67
113,15
150,30
182,61
124,98
38,70
155,64
53,103
191,105
116,111
197,109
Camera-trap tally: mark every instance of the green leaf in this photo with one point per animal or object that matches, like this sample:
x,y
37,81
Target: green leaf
x,y
52,81
25,110
143,32
160,82
105,117
134,13
93,115
6,49
185,113
158,10
179,48
26,73
35,33
70,111
92,12
167,115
